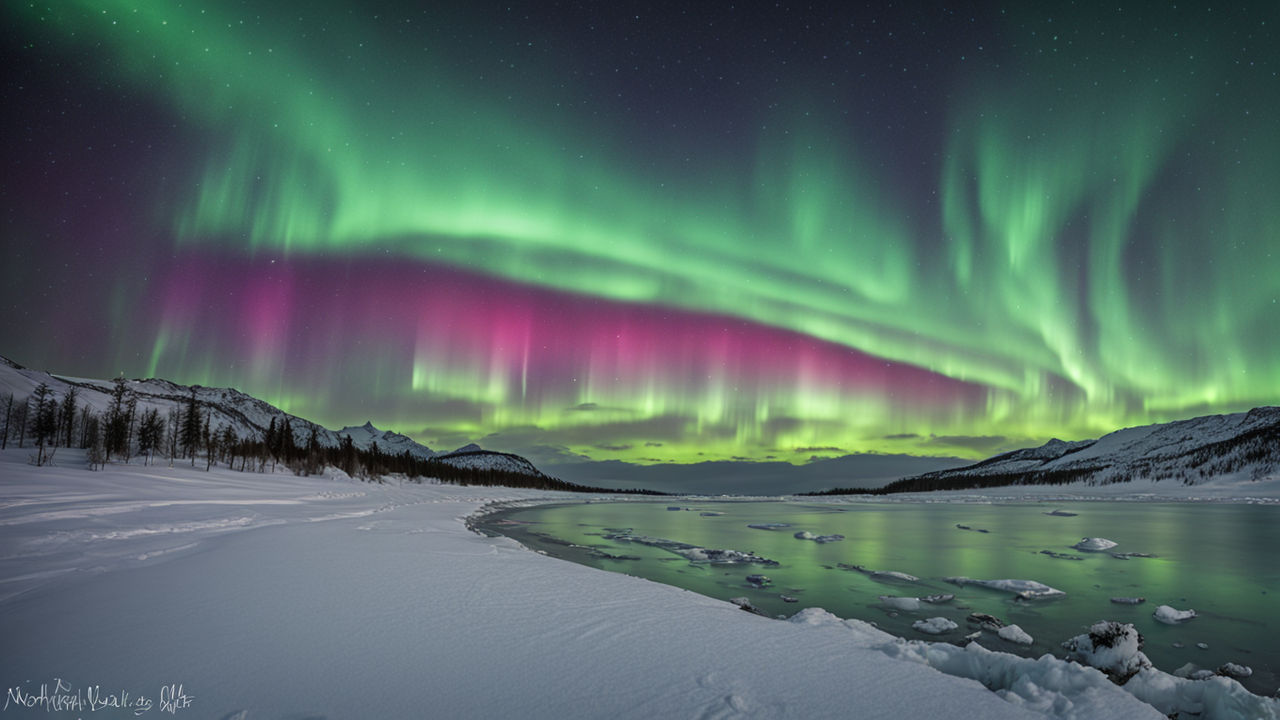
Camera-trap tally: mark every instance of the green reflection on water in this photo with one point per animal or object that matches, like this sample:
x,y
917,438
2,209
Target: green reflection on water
x,y
1213,558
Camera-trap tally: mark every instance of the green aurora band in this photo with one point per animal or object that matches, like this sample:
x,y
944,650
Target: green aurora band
x,y
1103,248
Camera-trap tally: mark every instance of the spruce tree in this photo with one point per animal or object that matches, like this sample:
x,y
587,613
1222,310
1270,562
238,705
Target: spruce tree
x,y
7,401
67,414
45,411
191,427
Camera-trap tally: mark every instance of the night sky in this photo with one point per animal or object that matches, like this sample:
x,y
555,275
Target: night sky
x,y
654,232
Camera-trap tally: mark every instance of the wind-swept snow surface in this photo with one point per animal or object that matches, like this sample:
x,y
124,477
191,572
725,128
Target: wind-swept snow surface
x,y
277,596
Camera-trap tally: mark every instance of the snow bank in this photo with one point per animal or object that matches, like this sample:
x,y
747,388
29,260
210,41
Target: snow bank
x,y
1047,687
342,599
277,596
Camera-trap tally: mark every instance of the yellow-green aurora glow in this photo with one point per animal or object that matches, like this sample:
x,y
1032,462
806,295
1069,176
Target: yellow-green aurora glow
x,y
650,240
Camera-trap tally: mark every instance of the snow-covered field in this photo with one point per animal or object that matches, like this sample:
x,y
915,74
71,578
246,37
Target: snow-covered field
x,y
230,595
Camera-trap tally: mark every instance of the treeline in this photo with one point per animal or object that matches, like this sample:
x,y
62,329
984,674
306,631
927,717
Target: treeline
x,y
935,481
191,433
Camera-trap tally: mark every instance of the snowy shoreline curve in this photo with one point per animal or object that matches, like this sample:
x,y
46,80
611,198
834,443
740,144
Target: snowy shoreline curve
x,y
273,595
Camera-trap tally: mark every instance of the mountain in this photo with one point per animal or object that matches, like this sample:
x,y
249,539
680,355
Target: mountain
x,y
741,477
391,443
1186,452
473,458
250,417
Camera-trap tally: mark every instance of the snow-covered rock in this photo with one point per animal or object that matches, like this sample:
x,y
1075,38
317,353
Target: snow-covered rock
x,y
934,625
1115,648
1171,616
1014,634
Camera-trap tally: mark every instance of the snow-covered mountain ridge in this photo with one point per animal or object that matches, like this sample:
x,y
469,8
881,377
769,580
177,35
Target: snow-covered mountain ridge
x,y
1185,451
248,416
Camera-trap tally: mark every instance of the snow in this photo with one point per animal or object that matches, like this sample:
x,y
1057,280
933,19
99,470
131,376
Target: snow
x,y
1095,544
278,596
934,625
1171,616
1014,634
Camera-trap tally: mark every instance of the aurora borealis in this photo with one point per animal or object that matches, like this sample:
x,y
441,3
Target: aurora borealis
x,y
654,232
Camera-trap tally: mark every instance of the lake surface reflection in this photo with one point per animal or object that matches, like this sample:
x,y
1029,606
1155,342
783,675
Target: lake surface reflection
x,y
1217,559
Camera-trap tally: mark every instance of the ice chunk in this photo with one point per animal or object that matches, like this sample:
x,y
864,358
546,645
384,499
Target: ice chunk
x,y
934,625
1170,616
759,580
820,539
1025,589
939,599
880,574
1128,600
1233,670
1112,647
909,604
1095,544
1014,634
769,526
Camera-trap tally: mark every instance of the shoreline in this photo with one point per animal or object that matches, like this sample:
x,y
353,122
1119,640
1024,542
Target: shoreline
x,y
477,523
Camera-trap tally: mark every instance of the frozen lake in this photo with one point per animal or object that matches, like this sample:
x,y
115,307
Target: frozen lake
x,y
1217,559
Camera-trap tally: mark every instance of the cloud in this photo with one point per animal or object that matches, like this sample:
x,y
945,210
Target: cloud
x,y
981,443
901,436
653,444
616,448
828,448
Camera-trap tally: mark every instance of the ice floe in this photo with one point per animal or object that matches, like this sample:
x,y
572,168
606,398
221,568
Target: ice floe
x,y
1171,616
908,604
1025,589
1095,544
1014,634
934,625
820,539
880,574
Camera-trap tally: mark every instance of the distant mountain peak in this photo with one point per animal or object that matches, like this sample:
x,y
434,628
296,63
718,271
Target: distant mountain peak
x,y
469,447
